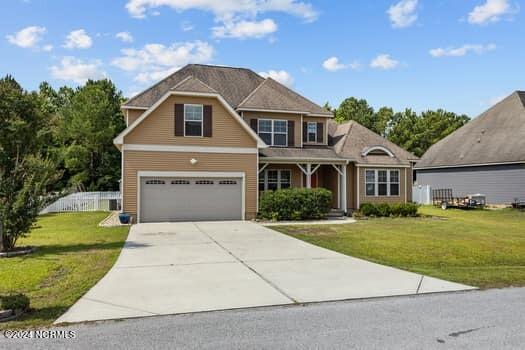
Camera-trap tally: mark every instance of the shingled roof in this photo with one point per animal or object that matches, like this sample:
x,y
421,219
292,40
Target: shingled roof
x,y
496,136
271,95
350,140
240,87
233,84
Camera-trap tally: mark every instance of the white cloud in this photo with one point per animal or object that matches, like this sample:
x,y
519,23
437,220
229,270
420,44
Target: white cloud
x,y
47,48
28,37
491,11
77,70
281,76
245,29
125,37
403,14
78,39
462,50
384,61
226,9
155,61
332,64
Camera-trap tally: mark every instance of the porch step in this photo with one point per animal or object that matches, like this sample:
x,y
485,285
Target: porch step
x,y
335,213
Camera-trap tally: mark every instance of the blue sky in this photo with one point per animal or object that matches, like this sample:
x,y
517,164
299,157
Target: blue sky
x,y
461,55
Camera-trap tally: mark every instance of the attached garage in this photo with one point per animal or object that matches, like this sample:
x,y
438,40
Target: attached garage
x,y
187,198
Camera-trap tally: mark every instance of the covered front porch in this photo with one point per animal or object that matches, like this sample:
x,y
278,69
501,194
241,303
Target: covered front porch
x,y
300,173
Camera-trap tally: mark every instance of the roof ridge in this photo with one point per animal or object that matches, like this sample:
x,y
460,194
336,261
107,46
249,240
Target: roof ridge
x,y
252,93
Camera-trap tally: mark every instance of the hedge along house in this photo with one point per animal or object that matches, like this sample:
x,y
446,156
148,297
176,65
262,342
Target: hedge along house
x,y
487,155
203,143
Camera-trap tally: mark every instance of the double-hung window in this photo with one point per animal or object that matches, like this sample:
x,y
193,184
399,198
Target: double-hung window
x,y
275,179
273,132
382,183
312,132
193,120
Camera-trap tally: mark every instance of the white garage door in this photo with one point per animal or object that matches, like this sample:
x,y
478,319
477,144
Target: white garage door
x,y
190,199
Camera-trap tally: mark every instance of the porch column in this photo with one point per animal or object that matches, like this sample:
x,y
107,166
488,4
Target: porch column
x,y
344,194
308,175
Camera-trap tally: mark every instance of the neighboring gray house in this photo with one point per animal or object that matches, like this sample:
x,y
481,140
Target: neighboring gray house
x,y
487,155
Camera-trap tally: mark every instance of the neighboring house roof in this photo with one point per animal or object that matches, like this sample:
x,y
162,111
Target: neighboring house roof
x,y
496,136
238,86
307,152
271,95
353,141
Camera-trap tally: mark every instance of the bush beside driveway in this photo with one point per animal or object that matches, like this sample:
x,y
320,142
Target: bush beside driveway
x,y
72,254
483,248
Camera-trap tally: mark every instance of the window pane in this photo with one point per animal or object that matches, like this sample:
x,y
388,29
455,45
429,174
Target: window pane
x,y
272,176
312,137
193,128
312,127
279,139
381,176
280,126
285,176
193,112
261,186
272,186
381,189
370,176
370,190
394,189
266,137
265,125
394,176
283,186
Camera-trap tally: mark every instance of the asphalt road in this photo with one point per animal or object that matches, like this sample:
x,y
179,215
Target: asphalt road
x,y
493,319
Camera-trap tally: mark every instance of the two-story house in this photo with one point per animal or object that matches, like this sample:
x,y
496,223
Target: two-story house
x,y
203,143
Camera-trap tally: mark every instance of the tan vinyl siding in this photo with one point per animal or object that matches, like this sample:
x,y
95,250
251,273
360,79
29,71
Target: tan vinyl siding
x,y
325,133
363,198
133,114
159,127
180,161
248,115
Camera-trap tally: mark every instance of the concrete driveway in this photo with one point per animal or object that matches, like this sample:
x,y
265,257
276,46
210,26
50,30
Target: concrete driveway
x,y
171,268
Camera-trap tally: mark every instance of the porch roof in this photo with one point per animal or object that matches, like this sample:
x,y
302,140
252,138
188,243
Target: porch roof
x,y
307,153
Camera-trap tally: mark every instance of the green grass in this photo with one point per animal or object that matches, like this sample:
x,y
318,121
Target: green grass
x,y
73,253
483,248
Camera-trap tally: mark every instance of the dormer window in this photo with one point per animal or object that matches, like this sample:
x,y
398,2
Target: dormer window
x,y
273,132
193,120
377,151
312,132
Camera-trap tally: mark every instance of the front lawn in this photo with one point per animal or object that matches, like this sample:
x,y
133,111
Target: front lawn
x,y
483,248
73,253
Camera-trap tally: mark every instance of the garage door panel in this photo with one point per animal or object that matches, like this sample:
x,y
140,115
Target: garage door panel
x,y
190,199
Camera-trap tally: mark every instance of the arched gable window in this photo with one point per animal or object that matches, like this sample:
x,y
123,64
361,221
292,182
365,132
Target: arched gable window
x,y
377,150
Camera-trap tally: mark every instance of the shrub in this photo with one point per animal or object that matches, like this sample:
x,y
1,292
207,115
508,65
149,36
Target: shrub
x,y
386,210
14,302
295,204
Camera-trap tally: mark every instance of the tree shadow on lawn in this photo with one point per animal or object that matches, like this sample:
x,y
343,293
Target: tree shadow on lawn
x,y
58,249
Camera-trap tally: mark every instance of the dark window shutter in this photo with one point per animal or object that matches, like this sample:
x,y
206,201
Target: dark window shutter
x,y
305,132
320,133
291,133
253,124
207,121
179,120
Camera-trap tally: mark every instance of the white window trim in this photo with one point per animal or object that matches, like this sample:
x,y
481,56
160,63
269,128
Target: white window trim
x,y
202,119
264,176
388,183
272,132
308,132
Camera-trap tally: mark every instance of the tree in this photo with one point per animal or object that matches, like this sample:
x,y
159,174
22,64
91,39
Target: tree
x,y
24,173
383,120
416,133
358,110
89,122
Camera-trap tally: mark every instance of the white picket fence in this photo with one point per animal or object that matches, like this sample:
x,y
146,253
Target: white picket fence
x,y
422,194
83,201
